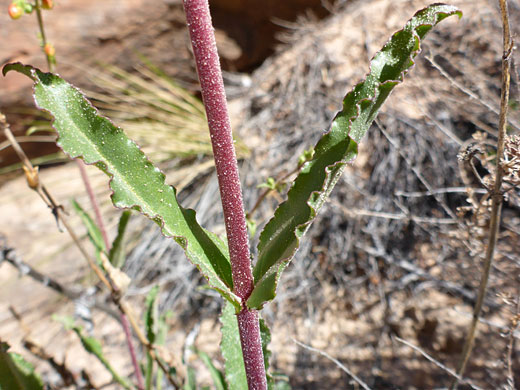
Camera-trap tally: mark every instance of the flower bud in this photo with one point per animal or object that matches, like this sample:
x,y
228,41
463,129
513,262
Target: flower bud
x,y
47,4
15,11
49,50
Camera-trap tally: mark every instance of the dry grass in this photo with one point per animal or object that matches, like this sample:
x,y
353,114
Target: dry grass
x,y
160,115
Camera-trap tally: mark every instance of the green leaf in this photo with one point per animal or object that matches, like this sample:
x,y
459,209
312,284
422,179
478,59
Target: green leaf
x,y
251,227
117,255
151,316
151,323
16,373
191,383
135,182
281,383
94,233
160,339
269,183
265,335
216,375
280,238
93,346
232,350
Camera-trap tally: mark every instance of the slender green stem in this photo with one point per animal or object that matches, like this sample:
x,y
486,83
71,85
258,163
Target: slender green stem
x,y
496,194
38,8
268,191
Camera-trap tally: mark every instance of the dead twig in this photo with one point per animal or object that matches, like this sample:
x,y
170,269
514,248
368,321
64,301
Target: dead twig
x,y
447,190
37,350
126,314
30,138
9,255
336,362
466,90
397,216
437,363
515,326
496,193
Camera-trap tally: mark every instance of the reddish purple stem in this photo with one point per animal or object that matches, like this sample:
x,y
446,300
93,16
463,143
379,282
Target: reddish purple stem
x,y
214,97
249,329
131,349
93,202
101,226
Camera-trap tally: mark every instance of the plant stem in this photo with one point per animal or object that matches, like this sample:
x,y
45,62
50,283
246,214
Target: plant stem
x,y
95,206
214,97
131,349
32,177
268,191
251,341
496,195
38,8
93,202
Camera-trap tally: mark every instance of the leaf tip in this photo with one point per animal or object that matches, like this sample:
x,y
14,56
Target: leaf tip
x,y
20,68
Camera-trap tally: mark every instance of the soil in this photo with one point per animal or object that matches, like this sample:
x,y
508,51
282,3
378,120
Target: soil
x,y
380,264
86,33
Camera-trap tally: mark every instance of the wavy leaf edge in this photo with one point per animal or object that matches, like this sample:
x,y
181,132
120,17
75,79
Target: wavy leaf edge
x,y
33,73
276,269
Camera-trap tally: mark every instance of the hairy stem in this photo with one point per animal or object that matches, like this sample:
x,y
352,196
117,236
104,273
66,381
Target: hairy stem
x,y
213,95
496,194
252,351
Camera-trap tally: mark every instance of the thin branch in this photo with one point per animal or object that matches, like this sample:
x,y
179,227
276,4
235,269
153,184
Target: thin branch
x,y
35,184
9,255
447,190
50,63
491,324
466,90
131,350
266,192
358,380
496,194
93,202
396,216
418,174
438,364
29,138
515,325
